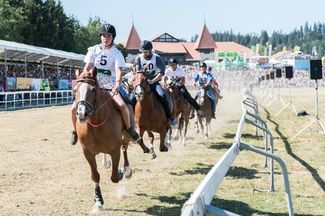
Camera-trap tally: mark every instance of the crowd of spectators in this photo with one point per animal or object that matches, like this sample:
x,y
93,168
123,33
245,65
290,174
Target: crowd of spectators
x,y
50,72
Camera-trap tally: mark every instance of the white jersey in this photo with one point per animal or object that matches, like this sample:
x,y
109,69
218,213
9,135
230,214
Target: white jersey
x,y
105,60
179,72
150,64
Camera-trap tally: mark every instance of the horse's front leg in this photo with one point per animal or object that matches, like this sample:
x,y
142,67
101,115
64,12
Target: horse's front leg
x,y
163,147
141,143
201,125
127,169
186,121
99,202
151,148
116,175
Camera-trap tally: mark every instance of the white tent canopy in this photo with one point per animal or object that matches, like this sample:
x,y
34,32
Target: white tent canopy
x,y
21,52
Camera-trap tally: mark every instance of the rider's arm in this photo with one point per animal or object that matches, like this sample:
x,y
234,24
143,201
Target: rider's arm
x,y
160,65
160,69
89,59
138,66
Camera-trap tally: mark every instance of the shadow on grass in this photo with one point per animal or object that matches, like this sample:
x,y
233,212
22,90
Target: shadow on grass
x,y
220,145
242,173
311,169
245,135
176,203
243,208
199,169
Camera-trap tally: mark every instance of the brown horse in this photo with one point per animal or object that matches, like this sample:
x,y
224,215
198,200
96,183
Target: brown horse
x,y
100,128
182,108
149,114
205,104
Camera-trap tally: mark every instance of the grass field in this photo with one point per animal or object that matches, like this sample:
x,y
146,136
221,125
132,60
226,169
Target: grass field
x,y
41,174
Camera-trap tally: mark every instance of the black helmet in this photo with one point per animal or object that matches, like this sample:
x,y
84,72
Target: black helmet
x,y
107,29
203,65
172,61
145,45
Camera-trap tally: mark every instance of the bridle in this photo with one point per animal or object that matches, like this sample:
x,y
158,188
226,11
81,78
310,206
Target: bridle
x,y
93,108
145,89
92,105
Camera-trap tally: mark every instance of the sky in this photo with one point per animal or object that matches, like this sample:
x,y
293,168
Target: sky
x,y
185,18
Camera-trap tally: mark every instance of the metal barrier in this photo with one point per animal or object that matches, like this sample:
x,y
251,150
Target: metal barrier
x,y
199,202
32,99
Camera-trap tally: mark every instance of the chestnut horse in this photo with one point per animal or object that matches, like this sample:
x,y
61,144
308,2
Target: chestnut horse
x,y
205,104
182,108
149,114
100,128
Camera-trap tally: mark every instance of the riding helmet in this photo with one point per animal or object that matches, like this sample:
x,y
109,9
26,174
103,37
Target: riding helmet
x,y
107,29
172,61
145,45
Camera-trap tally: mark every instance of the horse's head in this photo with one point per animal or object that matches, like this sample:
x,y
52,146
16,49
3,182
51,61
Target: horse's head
x,y
85,92
141,85
171,81
202,94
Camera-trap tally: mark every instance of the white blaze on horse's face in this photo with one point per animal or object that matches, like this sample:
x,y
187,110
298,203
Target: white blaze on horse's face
x,y
202,95
139,92
82,108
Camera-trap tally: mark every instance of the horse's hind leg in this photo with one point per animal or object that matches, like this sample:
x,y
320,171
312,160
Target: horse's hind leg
x,y
95,177
116,175
127,169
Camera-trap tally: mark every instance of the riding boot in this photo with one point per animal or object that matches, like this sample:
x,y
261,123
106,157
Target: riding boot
x,y
74,137
170,119
135,136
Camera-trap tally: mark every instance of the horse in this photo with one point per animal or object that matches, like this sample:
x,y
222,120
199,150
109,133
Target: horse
x,y
182,107
205,106
149,114
100,129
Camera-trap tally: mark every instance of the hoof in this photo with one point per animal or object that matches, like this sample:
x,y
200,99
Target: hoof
x,y
127,172
120,174
153,155
163,149
146,150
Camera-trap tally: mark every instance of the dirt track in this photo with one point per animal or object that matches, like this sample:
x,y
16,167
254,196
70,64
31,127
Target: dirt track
x,y
42,174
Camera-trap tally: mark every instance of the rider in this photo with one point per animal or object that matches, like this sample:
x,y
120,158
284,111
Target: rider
x,y
154,69
179,73
204,79
215,84
108,60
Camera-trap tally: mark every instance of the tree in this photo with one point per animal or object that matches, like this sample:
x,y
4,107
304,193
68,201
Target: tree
x,y
11,20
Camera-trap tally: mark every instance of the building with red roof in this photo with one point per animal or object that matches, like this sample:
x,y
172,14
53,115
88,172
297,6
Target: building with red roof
x,y
167,46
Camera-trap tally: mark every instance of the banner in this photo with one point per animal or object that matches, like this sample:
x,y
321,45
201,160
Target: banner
x,y
10,83
71,83
44,84
63,84
23,83
36,84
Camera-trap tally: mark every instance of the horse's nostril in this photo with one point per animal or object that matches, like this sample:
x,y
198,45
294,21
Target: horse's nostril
x,y
86,114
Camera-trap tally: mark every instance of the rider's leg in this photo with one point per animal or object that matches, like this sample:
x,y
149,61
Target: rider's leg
x,y
191,101
74,137
213,101
125,116
124,95
159,92
189,98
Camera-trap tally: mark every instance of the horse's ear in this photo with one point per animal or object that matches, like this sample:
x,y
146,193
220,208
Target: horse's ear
x,y
77,73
